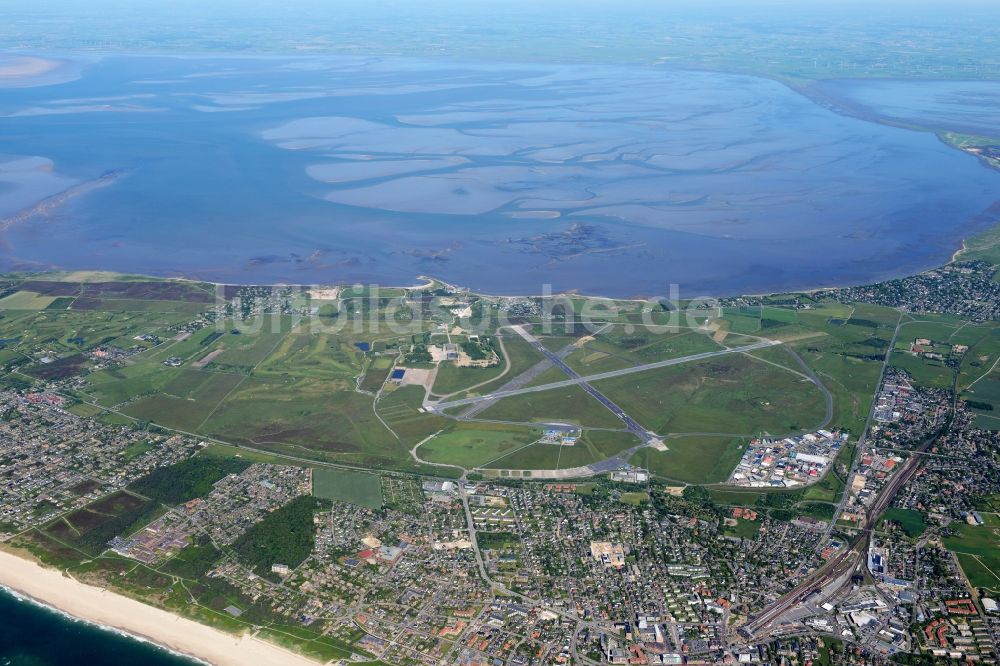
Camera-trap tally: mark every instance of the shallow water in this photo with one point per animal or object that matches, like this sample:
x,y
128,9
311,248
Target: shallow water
x,y
967,107
499,177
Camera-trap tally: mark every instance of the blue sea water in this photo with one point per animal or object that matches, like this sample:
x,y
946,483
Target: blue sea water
x,y
499,177
32,635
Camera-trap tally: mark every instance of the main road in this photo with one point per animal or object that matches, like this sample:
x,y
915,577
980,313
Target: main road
x,y
853,467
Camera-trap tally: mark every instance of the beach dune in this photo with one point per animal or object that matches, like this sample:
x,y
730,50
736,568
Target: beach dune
x,y
109,609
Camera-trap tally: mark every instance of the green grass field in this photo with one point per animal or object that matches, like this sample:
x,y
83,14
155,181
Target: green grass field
x,y
635,498
593,446
244,350
978,549
696,459
186,401
608,443
477,444
986,390
743,320
744,529
620,347
305,415
733,393
731,496
911,521
451,378
924,371
817,510
546,456
568,404
981,570
343,485
403,410
375,376
984,399
846,357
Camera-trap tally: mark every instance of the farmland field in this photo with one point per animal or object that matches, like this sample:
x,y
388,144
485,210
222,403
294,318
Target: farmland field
x,y
26,300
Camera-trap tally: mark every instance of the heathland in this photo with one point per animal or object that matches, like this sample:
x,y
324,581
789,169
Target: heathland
x,y
367,382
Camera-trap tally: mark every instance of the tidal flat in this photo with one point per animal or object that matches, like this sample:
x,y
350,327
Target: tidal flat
x,y
499,177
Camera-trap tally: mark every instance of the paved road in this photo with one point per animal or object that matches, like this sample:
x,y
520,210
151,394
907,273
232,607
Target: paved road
x,y
576,379
853,467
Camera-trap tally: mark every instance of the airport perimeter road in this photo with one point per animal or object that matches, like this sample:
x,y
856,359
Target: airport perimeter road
x,y
584,381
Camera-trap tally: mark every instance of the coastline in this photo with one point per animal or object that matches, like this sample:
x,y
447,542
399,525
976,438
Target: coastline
x,y
988,238
141,621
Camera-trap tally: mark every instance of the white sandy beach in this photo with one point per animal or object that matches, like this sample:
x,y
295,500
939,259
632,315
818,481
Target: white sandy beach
x,y
114,610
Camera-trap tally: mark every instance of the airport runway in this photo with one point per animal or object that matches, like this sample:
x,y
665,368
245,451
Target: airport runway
x,y
576,379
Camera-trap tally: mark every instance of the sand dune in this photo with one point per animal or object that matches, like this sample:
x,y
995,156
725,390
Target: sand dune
x,y
114,610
